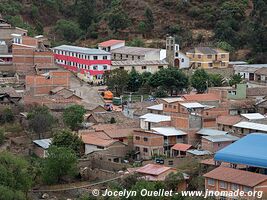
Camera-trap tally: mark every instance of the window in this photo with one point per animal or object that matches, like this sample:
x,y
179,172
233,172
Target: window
x,y
132,57
133,68
95,57
126,56
105,57
182,60
160,67
211,182
105,67
209,56
165,105
145,139
174,107
247,189
210,65
121,56
137,148
137,138
199,56
176,54
145,150
199,64
143,67
223,56
121,67
138,57
95,67
234,187
223,184
223,64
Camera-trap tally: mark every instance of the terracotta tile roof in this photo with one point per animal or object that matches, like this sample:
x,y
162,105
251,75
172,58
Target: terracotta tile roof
x,y
261,71
181,147
96,138
259,91
228,120
236,176
110,43
119,133
153,169
201,97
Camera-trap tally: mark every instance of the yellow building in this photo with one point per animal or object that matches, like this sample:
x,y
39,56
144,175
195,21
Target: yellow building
x,y
206,57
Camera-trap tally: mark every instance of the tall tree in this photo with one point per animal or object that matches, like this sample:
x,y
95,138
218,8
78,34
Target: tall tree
x,y
149,21
135,81
73,116
171,79
235,79
199,80
86,13
68,139
40,120
15,176
60,162
117,80
215,80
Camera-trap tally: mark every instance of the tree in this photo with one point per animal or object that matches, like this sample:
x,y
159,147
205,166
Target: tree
x,y
135,81
40,120
60,162
112,120
235,79
118,19
68,30
6,116
117,80
172,181
86,13
73,116
171,79
2,136
65,138
149,21
15,176
215,80
199,80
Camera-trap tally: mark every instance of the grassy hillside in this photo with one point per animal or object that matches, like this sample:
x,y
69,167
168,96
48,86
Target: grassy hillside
x,y
235,25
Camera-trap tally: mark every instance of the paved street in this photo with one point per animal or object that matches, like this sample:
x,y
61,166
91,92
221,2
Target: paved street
x,y
88,93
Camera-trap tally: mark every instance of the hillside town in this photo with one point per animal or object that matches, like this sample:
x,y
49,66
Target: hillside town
x,y
75,120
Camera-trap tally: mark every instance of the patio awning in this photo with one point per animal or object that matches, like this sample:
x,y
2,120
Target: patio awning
x,y
181,147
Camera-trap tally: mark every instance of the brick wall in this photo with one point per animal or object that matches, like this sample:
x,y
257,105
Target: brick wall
x,y
39,85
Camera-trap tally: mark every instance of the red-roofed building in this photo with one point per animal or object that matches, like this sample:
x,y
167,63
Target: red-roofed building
x,y
156,172
180,149
206,98
99,140
111,44
226,122
229,179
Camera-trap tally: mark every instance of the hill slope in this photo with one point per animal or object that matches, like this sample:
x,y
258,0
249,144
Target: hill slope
x,y
229,24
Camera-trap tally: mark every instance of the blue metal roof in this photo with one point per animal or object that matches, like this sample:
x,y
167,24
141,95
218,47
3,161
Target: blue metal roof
x,y
250,150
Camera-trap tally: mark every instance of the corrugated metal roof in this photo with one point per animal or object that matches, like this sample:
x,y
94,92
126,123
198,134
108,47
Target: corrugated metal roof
x,y
168,131
138,62
156,107
172,100
44,143
150,117
252,116
209,132
192,105
221,138
252,126
81,50
240,177
199,152
153,169
138,51
249,150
